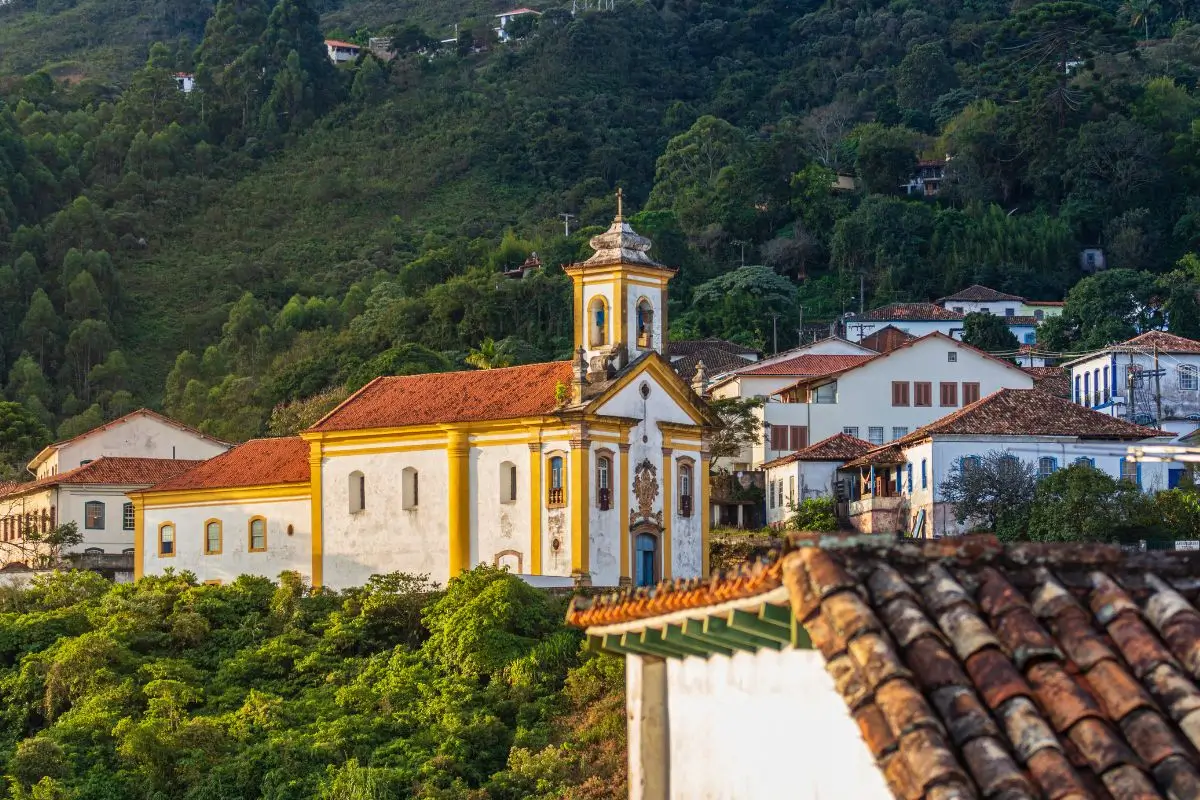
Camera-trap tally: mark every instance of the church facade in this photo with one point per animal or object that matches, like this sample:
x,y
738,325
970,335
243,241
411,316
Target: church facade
x,y
592,471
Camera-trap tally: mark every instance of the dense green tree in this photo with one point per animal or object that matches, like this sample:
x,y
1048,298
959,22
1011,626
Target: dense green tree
x,y
41,330
989,332
1083,504
924,75
886,157
21,435
750,298
691,172
993,491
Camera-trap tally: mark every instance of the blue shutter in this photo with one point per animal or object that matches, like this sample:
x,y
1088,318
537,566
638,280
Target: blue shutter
x,y
1054,465
1121,470
910,471
924,477
1139,474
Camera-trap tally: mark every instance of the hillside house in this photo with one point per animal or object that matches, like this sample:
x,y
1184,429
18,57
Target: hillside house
x,y
927,180
876,398
1137,379
588,471
919,319
341,52
185,81
809,474
990,301
900,484
869,668
504,19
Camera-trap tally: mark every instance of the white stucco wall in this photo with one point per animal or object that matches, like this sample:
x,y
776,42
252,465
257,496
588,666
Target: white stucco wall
x,y
112,538
384,536
138,437
764,725
810,479
283,553
498,526
857,329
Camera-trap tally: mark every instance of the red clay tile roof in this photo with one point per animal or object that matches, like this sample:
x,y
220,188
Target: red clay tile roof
x,y
1030,412
980,294
258,462
1165,342
689,347
886,339
482,394
975,669
808,365
886,454
838,447
338,43
912,312
719,357
1052,380
110,471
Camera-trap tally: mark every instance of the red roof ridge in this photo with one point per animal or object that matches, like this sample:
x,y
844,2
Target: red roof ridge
x,y
257,462
839,447
111,470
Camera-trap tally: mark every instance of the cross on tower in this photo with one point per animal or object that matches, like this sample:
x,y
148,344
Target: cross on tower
x,y
620,197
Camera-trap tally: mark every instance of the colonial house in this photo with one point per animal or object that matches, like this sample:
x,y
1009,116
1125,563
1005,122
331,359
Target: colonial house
x,y
138,434
341,52
870,668
980,298
900,484
588,471
920,319
877,398
927,180
809,474
1153,378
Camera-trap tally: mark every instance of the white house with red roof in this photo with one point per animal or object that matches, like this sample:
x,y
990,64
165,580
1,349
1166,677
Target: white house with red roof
x,y
882,397
919,319
978,298
341,52
588,471
899,486
808,474
1151,379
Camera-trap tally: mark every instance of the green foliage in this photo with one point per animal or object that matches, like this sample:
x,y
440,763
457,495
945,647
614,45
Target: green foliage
x,y
21,435
1083,504
740,427
814,514
166,688
989,332
992,491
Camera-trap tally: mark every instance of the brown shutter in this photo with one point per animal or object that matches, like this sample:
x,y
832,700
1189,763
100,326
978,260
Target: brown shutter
x,y
949,394
779,437
799,437
899,393
970,393
923,391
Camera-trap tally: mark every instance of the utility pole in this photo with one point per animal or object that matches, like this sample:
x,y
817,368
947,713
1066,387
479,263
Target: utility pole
x,y
1157,390
1129,379
862,295
801,330
566,218
775,331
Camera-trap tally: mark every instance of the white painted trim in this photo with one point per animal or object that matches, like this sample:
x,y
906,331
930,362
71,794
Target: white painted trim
x,y
776,596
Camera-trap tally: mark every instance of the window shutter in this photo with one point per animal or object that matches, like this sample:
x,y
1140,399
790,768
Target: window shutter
x,y
779,437
970,393
799,437
899,393
949,394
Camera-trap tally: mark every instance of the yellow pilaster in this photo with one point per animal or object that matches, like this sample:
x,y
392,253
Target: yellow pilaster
x,y
621,312
668,512
579,314
459,487
139,532
705,511
315,451
536,501
622,492
580,510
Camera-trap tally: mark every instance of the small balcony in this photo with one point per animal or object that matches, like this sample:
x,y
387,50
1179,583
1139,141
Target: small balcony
x,y
556,498
685,505
604,499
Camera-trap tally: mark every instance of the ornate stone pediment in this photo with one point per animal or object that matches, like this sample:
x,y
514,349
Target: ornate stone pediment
x,y
645,489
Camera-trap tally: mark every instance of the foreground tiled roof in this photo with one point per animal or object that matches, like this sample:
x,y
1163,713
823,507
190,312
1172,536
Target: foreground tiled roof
x,y
1030,412
839,447
1052,380
912,312
976,670
980,294
258,462
109,471
1165,342
808,365
482,394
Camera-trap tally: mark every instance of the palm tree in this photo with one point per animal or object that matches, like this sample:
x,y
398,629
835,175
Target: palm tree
x,y
1139,13
488,356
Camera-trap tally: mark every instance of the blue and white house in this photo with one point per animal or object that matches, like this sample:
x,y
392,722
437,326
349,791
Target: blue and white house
x,y
1151,379
899,486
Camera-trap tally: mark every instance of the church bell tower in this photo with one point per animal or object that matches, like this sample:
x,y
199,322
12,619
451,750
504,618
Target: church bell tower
x,y
620,300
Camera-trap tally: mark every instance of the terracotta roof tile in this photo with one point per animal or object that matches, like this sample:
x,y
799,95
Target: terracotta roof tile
x,y
910,312
886,339
689,347
980,294
474,395
110,471
1165,342
838,447
808,365
1051,380
258,462
982,670
716,362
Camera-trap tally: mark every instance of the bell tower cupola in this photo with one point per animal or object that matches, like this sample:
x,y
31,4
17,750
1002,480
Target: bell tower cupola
x,y
620,299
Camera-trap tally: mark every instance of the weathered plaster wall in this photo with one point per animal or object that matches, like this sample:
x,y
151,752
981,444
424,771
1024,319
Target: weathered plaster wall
x,y
498,526
764,725
139,437
283,552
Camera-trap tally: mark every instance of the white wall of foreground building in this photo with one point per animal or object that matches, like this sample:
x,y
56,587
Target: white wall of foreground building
x,y
284,552
758,725
138,436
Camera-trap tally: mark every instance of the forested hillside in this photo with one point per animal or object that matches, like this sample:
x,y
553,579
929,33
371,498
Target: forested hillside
x,y
244,255
166,689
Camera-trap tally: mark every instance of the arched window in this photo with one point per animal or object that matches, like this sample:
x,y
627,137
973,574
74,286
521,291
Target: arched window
x,y
508,482
1188,378
1007,464
604,481
645,322
598,322
1046,466
1087,388
95,551
1085,461
166,540
556,495
645,563
409,485
93,515
358,492
685,487
258,534
212,537
127,517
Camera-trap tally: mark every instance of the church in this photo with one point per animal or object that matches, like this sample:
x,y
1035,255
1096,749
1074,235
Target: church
x,y
592,471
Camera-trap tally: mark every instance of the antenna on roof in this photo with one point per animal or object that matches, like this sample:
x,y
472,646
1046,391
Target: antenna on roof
x,y
566,218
